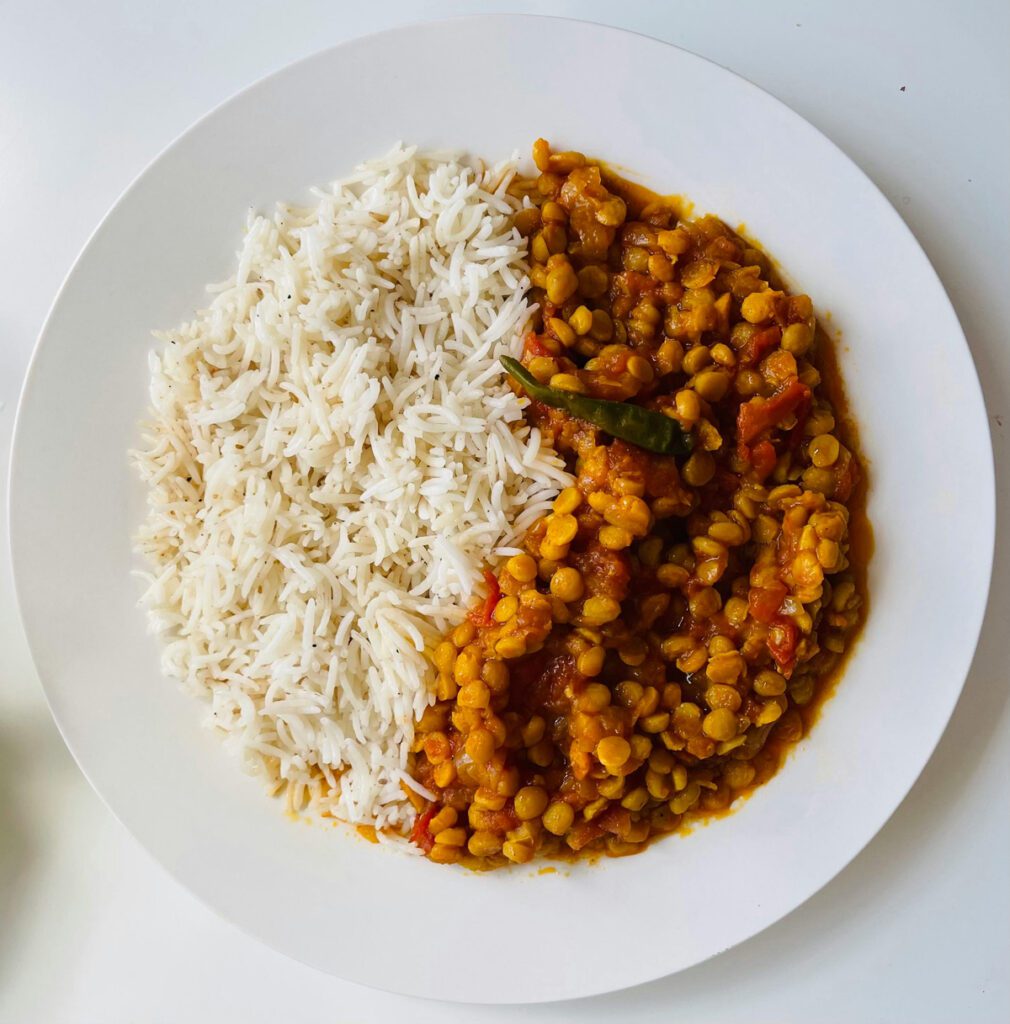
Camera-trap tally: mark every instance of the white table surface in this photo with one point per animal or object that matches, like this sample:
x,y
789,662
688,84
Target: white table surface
x,y
918,927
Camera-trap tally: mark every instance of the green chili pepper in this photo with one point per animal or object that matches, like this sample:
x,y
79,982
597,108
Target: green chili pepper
x,y
649,430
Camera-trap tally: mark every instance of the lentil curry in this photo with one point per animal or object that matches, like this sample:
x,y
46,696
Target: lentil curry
x,y
673,622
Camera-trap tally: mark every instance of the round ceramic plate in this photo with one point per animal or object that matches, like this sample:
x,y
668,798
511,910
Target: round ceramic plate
x,y
324,895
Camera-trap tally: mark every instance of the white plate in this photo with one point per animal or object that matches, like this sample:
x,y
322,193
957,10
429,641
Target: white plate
x,y
326,897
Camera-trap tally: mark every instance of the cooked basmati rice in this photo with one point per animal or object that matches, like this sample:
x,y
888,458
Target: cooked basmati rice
x,y
332,457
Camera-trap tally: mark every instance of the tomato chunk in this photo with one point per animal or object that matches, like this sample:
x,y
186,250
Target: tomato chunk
x,y
762,413
481,615
420,834
763,459
760,344
534,346
846,477
782,639
763,602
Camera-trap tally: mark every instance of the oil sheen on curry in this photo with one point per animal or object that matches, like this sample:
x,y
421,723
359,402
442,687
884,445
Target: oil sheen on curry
x,y
675,621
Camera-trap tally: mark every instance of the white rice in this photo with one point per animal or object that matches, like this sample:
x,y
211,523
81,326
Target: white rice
x,y
332,456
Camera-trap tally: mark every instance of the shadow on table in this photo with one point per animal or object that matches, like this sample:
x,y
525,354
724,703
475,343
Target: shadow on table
x,y
33,747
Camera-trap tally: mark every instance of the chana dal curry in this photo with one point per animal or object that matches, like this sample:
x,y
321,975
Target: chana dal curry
x,y
675,619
